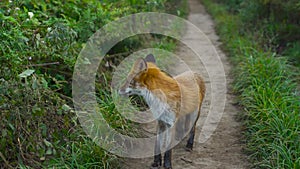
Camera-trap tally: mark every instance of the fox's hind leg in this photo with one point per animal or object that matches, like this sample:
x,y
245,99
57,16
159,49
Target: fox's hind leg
x,y
190,142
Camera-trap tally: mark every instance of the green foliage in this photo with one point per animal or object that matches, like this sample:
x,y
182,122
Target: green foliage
x,y
81,152
293,52
267,87
39,45
27,129
178,7
231,5
276,21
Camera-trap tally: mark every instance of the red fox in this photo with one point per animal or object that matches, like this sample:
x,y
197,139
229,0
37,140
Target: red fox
x,y
168,98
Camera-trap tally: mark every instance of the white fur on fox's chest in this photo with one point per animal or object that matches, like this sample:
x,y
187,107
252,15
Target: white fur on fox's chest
x,y
159,107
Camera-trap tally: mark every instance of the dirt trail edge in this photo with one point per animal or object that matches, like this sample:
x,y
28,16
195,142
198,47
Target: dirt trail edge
x,y
223,150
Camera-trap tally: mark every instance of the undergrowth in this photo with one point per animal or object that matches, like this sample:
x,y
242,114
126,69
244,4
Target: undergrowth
x,y
266,83
39,45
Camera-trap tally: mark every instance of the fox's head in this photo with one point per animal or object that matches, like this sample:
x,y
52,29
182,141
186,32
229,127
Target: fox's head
x,y
135,81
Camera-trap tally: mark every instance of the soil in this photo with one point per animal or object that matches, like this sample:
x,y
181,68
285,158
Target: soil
x,y
224,149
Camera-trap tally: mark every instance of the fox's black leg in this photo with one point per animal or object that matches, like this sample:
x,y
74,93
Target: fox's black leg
x,y
157,162
157,151
190,142
168,153
168,159
157,157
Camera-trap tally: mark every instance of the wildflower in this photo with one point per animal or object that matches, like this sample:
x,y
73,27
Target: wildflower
x,y
30,14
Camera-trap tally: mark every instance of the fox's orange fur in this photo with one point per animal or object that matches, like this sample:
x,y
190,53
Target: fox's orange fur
x,y
180,91
184,93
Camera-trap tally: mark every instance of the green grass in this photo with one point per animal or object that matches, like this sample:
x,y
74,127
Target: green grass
x,y
267,88
82,153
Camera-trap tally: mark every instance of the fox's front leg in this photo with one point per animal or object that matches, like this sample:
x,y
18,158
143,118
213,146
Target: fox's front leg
x,y
157,151
168,159
168,153
157,157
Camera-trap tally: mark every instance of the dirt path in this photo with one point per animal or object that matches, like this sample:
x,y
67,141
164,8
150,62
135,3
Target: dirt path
x,y
223,150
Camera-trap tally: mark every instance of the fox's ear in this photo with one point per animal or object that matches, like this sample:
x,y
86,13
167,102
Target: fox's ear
x,y
150,58
140,65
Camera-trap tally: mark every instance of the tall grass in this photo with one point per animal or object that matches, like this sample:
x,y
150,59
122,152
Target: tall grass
x,y
267,87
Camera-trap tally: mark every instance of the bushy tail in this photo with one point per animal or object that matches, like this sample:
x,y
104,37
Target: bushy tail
x,y
202,88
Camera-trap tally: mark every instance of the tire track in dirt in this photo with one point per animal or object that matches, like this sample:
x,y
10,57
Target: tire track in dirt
x,y
224,149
